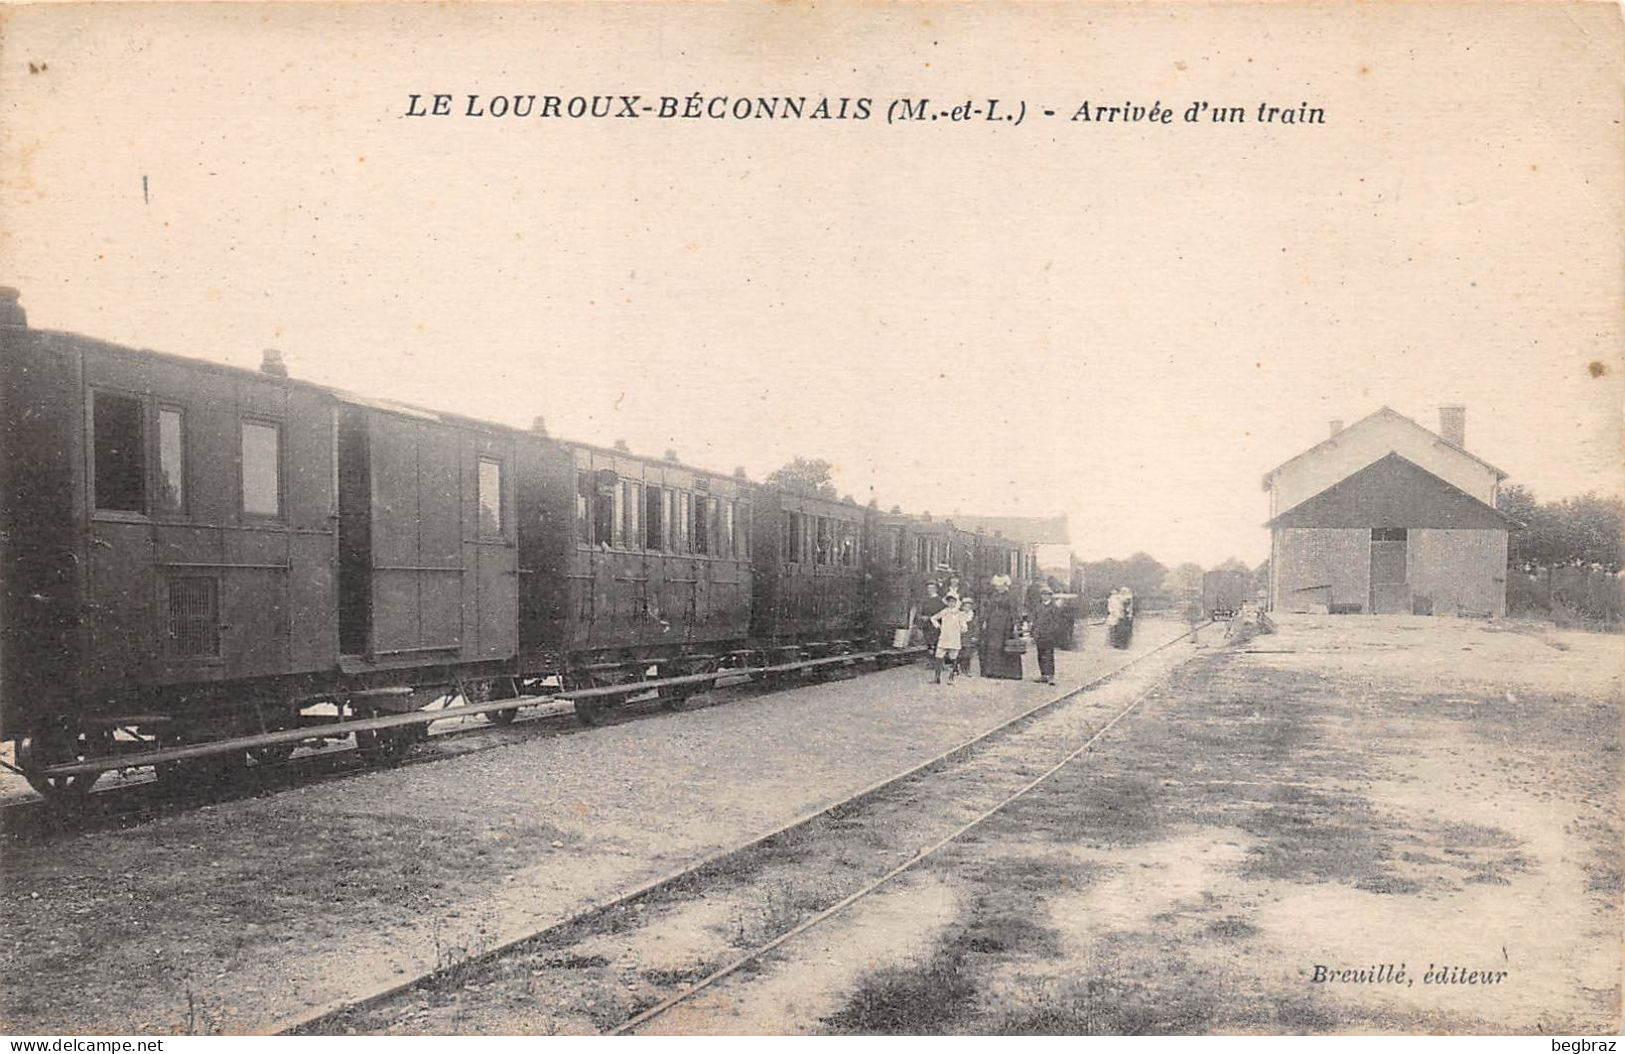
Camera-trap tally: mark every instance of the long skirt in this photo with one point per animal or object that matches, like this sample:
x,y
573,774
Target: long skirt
x,y
996,662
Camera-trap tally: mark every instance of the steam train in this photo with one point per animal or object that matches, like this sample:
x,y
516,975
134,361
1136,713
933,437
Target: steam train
x,y
197,554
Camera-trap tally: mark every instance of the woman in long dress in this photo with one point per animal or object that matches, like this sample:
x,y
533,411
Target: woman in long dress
x,y
998,625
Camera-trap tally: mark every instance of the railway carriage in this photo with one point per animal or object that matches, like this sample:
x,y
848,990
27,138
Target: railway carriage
x,y
809,571
901,557
169,539
633,566
998,555
228,563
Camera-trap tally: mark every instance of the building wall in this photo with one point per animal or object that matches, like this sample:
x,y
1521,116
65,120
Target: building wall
x,y
1315,568
1449,572
1459,572
1359,445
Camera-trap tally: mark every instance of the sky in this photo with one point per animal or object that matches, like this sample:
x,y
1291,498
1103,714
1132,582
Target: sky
x,y
1127,324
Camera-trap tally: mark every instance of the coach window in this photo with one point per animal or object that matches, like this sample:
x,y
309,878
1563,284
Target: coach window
x,y
631,510
730,541
653,538
668,516
679,521
822,541
713,520
605,492
262,469
583,508
121,453
490,487
171,461
702,524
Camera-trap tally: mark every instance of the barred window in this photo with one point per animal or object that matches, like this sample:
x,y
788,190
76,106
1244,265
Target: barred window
x,y
194,617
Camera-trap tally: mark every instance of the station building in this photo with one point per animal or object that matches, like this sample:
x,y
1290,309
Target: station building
x,y
1387,517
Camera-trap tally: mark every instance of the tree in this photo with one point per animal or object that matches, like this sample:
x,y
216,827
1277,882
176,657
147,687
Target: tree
x,y
1143,575
1574,532
804,476
1590,531
1140,572
1183,582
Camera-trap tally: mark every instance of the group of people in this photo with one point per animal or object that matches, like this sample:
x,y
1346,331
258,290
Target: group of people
x,y
995,636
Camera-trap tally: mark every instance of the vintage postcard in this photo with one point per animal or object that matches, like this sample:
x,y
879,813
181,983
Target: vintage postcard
x,y
811,518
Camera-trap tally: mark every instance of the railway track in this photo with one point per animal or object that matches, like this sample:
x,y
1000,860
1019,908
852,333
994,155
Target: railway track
x,y
136,798
550,945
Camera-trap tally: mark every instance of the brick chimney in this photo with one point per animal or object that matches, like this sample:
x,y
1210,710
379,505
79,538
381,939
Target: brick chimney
x,y
271,363
1453,425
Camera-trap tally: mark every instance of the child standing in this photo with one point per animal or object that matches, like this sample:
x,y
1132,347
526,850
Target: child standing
x,y
950,623
971,638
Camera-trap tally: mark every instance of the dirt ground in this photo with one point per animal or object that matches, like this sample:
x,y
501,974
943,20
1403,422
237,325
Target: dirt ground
x,y
238,916
1269,844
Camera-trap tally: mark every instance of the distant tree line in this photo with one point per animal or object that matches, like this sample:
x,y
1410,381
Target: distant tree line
x,y
1574,532
1154,584
1564,557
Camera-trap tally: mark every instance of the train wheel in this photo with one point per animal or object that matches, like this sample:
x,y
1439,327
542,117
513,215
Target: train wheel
x,y
57,745
208,772
387,746
588,713
502,688
272,755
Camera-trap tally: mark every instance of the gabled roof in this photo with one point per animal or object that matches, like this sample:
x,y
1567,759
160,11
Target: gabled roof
x,y
1393,492
1388,412
1028,530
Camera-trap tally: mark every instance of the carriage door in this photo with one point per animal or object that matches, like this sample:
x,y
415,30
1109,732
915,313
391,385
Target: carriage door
x,y
355,534
1390,590
491,558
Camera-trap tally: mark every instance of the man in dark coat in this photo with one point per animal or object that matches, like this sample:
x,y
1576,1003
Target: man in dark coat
x,y
1049,632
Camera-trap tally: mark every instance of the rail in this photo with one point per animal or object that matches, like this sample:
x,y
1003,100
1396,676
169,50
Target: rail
x,y
311,1020
336,729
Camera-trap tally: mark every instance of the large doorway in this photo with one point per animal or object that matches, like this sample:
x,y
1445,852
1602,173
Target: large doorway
x,y
1390,559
